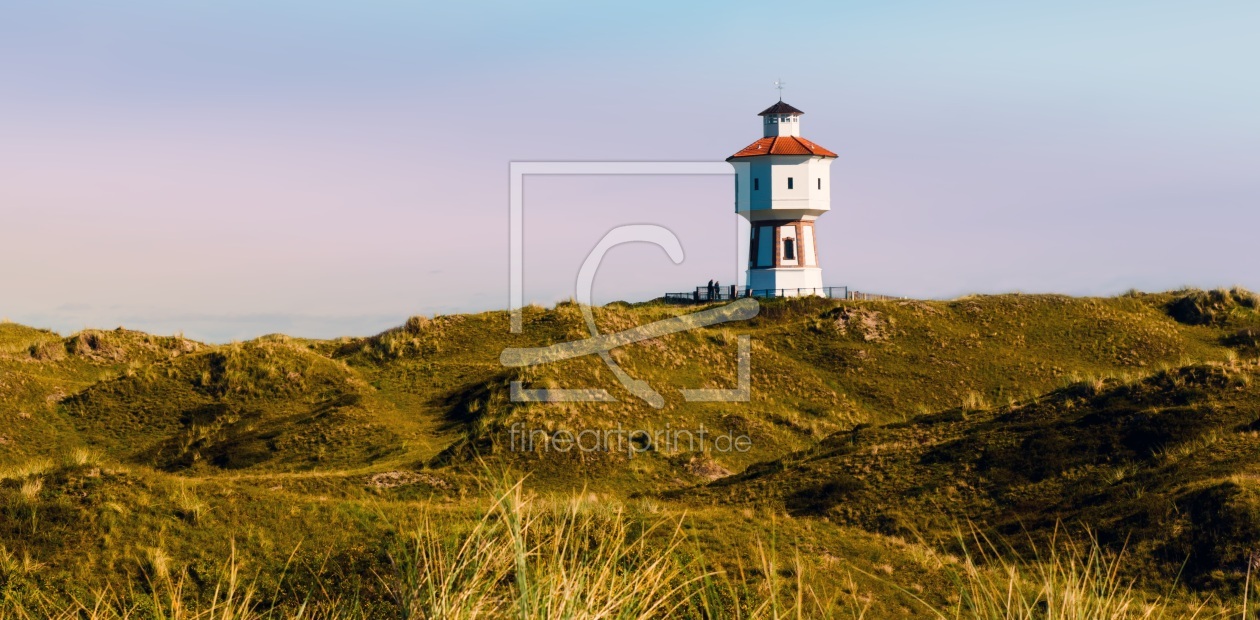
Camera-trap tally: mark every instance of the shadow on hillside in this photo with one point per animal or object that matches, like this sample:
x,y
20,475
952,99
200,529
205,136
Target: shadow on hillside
x,y
233,437
473,400
816,500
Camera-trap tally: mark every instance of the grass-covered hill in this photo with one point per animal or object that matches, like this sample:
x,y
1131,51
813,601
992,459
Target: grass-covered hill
x,y
1166,465
135,468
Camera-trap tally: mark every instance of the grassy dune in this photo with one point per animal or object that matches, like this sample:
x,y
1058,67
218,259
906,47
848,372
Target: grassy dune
x,y
1010,456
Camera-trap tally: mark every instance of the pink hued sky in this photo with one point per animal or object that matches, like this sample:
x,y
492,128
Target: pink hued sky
x,y
231,169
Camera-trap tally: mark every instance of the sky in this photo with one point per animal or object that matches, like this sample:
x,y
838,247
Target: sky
x,y
234,168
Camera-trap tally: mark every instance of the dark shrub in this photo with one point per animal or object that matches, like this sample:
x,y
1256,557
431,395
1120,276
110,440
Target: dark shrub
x,y
1195,307
818,499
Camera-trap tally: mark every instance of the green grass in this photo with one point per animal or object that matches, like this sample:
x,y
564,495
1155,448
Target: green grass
x,y
535,558
1104,446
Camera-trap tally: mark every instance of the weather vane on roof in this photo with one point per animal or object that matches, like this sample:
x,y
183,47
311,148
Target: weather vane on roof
x,y
779,84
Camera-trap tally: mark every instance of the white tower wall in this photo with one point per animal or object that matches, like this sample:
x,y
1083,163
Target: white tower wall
x,y
781,125
786,282
768,191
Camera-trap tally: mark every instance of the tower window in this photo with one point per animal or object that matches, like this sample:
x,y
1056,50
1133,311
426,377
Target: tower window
x,y
789,249
789,182
819,182
756,184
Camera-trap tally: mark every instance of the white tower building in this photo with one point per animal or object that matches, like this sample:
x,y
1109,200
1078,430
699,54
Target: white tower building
x,y
782,185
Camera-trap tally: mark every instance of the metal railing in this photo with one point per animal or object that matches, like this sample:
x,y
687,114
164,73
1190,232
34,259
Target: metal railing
x,y
704,294
860,296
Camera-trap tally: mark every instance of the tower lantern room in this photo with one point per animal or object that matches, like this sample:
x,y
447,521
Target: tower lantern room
x,y
782,186
781,119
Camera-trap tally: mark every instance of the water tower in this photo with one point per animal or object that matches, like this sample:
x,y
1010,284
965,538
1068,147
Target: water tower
x,y
782,185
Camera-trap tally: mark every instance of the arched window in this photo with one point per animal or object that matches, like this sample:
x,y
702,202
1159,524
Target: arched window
x,y
789,249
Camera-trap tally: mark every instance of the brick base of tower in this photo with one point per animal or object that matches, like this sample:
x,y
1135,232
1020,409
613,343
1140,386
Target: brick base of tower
x,y
787,281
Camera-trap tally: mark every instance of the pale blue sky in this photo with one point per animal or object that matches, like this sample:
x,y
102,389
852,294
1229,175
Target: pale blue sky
x,y
234,168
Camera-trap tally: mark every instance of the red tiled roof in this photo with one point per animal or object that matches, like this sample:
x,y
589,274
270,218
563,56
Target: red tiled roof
x,y
783,145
